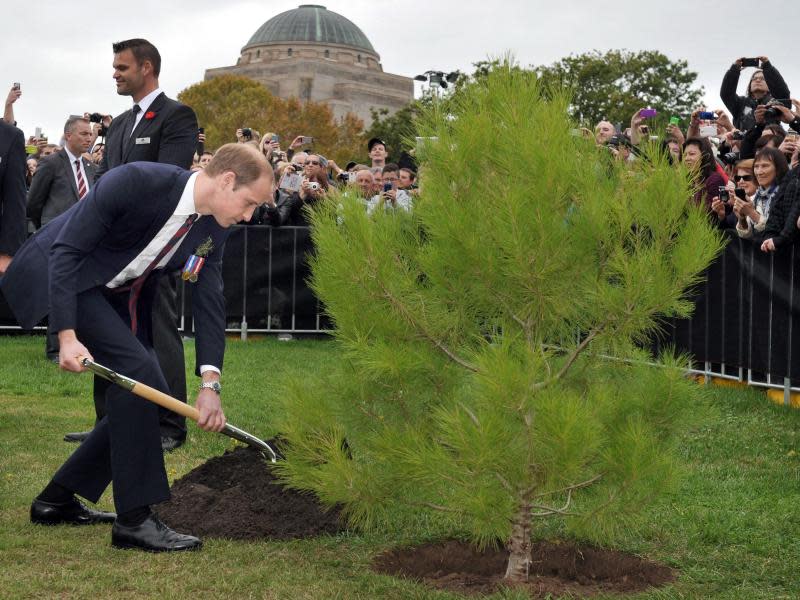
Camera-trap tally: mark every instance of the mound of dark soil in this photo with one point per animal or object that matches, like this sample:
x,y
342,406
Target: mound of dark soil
x,y
236,496
557,569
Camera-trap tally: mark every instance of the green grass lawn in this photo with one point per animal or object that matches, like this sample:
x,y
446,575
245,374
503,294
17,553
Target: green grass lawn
x,y
731,529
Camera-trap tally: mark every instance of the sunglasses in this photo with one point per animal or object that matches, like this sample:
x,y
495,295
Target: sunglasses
x,y
743,177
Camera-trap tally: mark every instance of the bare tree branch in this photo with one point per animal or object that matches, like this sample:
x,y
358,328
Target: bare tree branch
x,y
407,314
570,359
571,488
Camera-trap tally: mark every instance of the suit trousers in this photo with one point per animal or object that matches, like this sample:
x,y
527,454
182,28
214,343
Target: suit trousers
x,y
168,347
124,448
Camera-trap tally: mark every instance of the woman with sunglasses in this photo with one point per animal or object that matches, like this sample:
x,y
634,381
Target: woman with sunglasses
x,y
747,216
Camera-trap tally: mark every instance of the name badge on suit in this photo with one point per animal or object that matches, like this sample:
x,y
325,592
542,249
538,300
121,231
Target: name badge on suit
x,y
143,140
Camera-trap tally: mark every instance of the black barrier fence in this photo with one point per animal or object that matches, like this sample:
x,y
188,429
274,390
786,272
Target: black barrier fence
x,y
743,327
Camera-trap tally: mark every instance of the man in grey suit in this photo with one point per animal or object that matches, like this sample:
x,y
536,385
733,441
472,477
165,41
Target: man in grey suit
x,y
63,179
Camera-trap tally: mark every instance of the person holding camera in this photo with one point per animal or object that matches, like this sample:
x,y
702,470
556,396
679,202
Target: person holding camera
x,y
699,158
743,186
765,84
390,197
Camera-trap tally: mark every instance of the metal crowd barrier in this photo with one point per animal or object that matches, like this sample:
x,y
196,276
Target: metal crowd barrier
x,y
742,328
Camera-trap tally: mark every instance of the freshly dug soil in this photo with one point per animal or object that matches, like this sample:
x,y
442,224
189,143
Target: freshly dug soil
x,y
236,496
557,569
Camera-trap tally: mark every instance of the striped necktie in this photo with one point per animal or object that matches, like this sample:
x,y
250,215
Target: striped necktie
x,y
81,181
136,286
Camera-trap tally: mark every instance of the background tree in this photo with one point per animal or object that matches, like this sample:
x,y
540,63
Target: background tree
x,y
397,130
224,104
612,85
472,384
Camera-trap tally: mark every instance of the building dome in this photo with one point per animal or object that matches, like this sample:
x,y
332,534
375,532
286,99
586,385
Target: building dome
x,y
310,23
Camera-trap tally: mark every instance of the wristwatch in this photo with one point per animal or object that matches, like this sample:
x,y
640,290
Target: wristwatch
x,y
211,385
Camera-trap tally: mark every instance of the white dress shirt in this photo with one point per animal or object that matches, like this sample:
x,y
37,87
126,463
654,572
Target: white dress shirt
x,y
144,104
139,264
72,159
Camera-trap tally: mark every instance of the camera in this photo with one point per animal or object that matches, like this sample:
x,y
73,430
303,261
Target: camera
x,y
724,195
730,158
737,135
707,115
95,118
617,140
750,62
247,132
740,193
314,186
772,111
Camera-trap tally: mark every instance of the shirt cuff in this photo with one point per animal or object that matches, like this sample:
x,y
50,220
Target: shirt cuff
x,y
204,368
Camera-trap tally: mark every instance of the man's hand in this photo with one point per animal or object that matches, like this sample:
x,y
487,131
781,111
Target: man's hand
x,y
763,59
296,142
13,96
723,120
787,116
211,416
768,246
758,113
70,348
675,133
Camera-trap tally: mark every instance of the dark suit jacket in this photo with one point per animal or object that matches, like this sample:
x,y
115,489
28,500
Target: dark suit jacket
x,y
12,189
171,137
53,188
92,242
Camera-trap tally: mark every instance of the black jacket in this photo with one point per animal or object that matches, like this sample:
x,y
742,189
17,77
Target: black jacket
x,y
166,133
12,189
741,107
783,214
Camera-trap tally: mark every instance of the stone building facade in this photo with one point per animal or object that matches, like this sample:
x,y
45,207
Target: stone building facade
x,y
315,54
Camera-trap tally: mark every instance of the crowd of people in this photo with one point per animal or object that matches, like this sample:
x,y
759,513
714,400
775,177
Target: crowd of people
x,y
745,161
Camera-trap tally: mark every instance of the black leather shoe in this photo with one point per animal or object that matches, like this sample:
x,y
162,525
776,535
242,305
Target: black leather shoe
x,y
168,444
152,536
72,513
78,436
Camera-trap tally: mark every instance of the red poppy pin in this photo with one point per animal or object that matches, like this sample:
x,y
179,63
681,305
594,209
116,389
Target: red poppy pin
x,y
149,115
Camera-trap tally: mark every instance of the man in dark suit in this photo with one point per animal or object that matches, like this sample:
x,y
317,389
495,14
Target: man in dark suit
x,y
60,181
12,192
156,129
104,257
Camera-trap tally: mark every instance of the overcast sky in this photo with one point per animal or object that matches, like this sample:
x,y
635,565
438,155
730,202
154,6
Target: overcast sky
x,y
61,51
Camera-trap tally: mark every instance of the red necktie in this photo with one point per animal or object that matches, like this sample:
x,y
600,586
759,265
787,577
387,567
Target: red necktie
x,y
136,286
81,182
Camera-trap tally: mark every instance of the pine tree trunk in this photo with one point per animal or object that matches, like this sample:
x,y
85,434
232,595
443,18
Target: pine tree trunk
x,y
519,546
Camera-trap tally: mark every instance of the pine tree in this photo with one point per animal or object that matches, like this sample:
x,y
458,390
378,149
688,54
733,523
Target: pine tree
x,y
475,331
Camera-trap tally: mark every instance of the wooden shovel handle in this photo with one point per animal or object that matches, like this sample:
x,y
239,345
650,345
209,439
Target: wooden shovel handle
x,y
165,400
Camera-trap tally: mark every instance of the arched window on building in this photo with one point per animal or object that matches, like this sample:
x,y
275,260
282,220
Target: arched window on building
x,y
327,53
258,53
289,52
359,58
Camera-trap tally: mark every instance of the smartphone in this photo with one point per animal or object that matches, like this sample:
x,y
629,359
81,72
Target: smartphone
x,y
674,120
16,85
707,115
750,62
38,132
306,140
387,187
648,113
724,195
740,193
351,176
201,130
275,138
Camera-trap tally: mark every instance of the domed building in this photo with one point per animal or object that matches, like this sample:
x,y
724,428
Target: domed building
x,y
315,54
